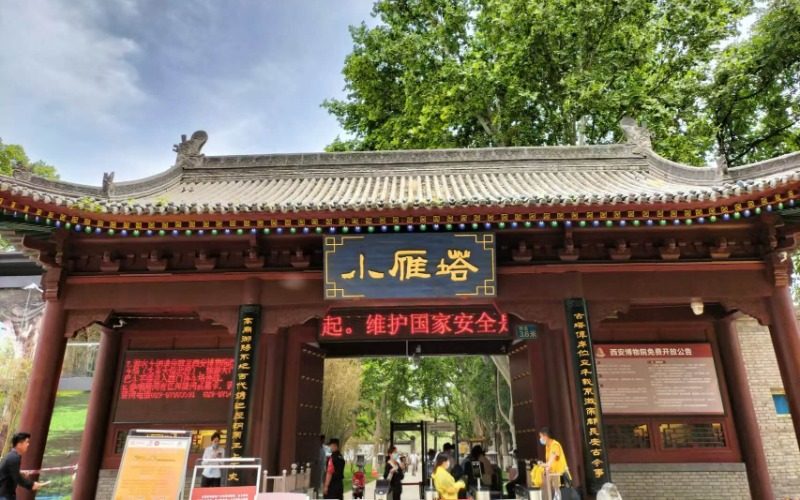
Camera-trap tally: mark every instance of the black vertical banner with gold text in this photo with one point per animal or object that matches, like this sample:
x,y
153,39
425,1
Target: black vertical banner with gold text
x,y
588,395
243,374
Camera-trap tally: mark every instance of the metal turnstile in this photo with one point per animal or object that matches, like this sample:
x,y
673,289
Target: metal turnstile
x,y
382,487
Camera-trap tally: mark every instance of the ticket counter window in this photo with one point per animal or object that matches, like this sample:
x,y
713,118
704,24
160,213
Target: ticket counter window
x,y
628,436
711,435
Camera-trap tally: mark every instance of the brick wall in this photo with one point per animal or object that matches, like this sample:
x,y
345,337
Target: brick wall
x,y
683,481
777,432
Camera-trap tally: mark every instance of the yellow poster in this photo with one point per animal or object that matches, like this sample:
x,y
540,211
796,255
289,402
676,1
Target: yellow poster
x,y
152,468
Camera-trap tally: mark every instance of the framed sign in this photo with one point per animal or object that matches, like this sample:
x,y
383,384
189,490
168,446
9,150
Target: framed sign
x,y
527,331
178,386
414,323
430,265
153,465
658,379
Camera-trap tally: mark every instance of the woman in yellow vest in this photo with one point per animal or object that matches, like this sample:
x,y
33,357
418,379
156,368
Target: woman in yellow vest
x,y
446,486
556,462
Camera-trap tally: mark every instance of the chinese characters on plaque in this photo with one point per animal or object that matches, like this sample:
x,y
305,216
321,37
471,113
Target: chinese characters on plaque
x,y
404,323
244,362
410,265
588,395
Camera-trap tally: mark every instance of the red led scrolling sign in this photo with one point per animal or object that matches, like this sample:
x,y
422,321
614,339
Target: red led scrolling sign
x,y
193,385
419,323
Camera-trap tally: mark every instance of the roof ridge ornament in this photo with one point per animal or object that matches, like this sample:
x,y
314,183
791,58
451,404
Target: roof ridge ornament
x,y
722,164
21,171
189,150
636,134
108,184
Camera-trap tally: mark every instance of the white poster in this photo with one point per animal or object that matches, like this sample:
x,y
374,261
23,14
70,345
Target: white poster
x,y
657,379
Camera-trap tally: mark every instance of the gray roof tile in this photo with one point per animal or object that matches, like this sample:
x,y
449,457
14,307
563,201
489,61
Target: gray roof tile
x,y
373,181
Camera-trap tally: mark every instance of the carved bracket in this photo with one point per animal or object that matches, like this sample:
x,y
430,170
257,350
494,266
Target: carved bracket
x,y
779,267
227,317
754,307
602,310
274,319
78,320
51,283
547,313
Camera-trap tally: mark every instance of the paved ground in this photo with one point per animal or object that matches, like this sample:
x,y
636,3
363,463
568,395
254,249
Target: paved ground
x,y
410,492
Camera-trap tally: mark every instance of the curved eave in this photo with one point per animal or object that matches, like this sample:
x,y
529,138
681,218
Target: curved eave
x,y
730,208
337,189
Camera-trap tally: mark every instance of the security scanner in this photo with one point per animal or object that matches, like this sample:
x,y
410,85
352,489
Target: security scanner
x,y
382,487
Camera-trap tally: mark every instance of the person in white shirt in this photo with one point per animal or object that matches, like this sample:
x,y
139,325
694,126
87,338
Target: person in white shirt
x,y
212,476
414,461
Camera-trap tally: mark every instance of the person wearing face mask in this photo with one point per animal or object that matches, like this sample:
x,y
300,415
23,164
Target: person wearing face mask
x,y
334,475
212,476
446,486
393,472
556,464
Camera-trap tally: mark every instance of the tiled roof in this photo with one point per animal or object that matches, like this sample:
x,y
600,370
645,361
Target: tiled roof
x,y
626,174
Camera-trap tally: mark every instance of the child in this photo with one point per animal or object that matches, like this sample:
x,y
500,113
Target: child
x,y
359,482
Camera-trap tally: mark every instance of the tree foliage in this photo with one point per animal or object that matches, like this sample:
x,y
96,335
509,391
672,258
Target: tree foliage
x,y
341,394
384,396
755,95
454,389
472,73
13,155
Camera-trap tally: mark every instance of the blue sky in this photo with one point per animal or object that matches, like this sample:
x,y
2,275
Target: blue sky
x,y
92,86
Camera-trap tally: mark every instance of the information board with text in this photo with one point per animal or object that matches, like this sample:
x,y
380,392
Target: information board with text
x,y
658,379
153,466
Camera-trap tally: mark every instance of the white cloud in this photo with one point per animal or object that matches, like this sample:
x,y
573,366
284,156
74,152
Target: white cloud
x,y
58,61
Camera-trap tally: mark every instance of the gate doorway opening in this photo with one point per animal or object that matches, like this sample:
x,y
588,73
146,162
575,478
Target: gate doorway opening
x,y
415,441
350,380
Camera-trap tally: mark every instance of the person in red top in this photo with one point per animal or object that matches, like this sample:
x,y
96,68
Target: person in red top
x,y
334,477
359,482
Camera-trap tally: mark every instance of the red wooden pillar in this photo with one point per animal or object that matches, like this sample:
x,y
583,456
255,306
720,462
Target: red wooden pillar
x,y
97,416
562,385
272,402
743,410
786,341
41,395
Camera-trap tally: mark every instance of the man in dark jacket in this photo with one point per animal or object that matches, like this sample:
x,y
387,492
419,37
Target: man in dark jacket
x,y
334,477
10,475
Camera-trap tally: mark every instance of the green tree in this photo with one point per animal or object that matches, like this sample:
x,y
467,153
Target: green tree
x,y
754,98
384,396
12,155
471,73
341,394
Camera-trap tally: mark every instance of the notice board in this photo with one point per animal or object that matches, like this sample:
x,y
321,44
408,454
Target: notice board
x,y
153,465
658,379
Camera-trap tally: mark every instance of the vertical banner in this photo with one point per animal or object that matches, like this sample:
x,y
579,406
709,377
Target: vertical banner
x,y
244,367
588,395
